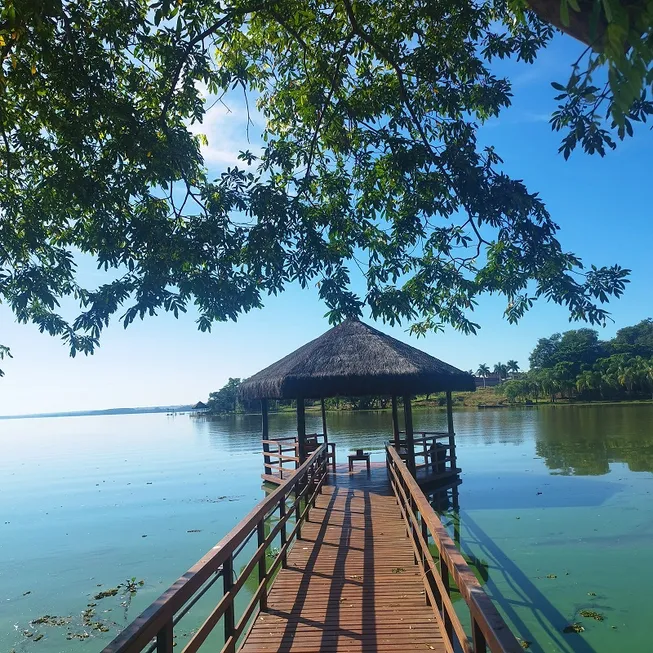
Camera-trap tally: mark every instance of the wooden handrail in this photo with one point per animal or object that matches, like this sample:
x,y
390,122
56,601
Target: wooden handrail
x,y
489,630
157,621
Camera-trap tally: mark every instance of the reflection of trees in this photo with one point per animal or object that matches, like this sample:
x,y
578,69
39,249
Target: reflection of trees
x,y
583,441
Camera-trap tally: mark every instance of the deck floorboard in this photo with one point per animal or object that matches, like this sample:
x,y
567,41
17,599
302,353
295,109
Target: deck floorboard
x,y
351,583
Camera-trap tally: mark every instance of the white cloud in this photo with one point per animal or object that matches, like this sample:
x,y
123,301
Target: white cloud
x,y
225,126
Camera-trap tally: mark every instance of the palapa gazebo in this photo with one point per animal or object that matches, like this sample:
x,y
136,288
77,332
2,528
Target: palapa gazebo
x,y
354,359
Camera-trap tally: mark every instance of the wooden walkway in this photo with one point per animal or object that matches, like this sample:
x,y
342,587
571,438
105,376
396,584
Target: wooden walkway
x,y
351,583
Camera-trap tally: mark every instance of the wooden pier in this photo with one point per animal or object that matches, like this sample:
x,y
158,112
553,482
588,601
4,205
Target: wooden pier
x,y
334,560
351,583
364,564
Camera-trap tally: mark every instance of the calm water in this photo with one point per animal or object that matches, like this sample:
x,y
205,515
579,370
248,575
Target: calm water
x,y
555,501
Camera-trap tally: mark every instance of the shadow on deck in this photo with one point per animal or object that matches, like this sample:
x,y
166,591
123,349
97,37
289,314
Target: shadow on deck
x,y
351,583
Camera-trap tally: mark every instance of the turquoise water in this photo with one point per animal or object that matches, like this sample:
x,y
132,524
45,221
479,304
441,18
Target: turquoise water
x,y
556,501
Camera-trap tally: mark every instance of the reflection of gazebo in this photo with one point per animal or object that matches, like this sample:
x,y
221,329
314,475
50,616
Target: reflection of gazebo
x,y
353,359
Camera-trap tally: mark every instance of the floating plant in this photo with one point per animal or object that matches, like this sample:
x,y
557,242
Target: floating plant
x,y
573,628
51,620
104,594
592,614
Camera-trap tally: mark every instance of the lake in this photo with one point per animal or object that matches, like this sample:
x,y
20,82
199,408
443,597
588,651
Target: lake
x,y
555,502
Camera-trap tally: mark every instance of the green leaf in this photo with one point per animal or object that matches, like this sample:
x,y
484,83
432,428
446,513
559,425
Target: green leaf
x,y
564,12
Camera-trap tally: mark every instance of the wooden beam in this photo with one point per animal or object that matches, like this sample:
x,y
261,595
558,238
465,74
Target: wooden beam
x,y
410,441
395,423
301,429
452,438
266,444
324,423
449,413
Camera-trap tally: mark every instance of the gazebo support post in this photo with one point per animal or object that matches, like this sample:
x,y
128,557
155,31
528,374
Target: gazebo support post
x,y
265,436
301,430
410,440
324,424
452,438
395,422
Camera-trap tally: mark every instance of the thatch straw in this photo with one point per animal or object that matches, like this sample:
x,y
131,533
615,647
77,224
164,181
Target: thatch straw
x,y
353,359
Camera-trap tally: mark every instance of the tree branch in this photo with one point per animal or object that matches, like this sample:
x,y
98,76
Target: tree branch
x,y
189,48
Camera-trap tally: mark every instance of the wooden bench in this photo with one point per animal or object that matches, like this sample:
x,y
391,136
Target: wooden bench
x,y
359,455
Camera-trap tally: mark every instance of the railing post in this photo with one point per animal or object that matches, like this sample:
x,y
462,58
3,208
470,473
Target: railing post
x,y
262,567
282,514
164,638
425,560
444,574
412,506
301,484
478,640
228,581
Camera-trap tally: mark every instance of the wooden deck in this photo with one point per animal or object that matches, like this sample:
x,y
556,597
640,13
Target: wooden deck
x,y
365,564
351,583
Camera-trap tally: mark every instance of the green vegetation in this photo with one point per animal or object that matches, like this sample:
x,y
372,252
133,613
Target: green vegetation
x,y
576,365
225,400
369,157
591,614
574,628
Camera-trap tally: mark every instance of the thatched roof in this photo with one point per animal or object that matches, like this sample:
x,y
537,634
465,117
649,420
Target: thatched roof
x,y
353,359
200,405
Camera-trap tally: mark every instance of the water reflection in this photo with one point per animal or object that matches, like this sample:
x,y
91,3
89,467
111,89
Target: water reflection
x,y
583,441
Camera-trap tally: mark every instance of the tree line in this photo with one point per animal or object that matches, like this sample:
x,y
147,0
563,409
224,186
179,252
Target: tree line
x,y
578,365
575,364
226,400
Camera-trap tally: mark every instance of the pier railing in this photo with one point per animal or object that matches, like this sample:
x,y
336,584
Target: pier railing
x,y
437,450
280,458
269,521
489,630
281,455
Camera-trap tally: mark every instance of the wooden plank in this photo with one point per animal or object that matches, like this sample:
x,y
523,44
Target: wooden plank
x,y
281,456
351,583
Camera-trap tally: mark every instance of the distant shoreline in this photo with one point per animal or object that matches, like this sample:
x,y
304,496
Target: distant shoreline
x,y
105,411
423,405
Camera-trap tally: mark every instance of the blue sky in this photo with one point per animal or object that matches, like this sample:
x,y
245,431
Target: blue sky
x,y
601,205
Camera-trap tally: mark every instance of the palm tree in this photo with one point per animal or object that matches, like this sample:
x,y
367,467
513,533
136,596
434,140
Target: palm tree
x,y
501,370
512,366
483,371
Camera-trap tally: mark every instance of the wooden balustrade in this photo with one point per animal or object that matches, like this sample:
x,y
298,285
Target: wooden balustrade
x,y
279,466
439,457
275,454
153,630
489,630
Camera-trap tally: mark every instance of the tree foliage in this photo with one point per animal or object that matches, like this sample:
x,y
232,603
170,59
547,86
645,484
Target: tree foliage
x,y
609,87
578,347
370,166
226,399
636,339
577,364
